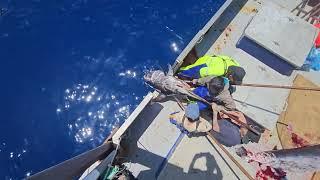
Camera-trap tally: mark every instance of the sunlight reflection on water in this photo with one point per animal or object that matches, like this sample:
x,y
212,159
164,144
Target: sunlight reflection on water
x,y
92,110
92,56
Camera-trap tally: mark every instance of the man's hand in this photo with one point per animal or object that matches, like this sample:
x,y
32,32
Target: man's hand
x,y
214,107
236,117
194,81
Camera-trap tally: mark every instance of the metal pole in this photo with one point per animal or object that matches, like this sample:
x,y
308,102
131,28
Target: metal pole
x,y
275,86
281,87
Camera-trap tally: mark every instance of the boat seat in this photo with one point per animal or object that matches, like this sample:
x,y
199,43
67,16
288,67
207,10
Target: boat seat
x,y
282,33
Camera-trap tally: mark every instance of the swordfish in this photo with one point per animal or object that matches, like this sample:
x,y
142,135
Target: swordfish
x,y
168,85
302,159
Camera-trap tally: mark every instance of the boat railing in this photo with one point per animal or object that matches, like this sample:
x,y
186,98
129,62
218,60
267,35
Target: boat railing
x,y
197,39
310,10
73,168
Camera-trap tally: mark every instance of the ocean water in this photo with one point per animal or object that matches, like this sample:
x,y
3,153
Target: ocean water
x,y
71,70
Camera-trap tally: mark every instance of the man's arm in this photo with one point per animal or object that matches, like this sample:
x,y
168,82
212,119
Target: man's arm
x,y
215,125
202,81
226,98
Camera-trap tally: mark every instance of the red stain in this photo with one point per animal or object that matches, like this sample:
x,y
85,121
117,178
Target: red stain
x,y
317,41
298,141
264,172
270,173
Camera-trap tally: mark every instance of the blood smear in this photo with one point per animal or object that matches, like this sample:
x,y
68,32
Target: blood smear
x,y
270,173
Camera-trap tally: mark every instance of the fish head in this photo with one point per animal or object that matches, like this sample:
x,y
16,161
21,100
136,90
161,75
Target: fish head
x,y
153,76
155,79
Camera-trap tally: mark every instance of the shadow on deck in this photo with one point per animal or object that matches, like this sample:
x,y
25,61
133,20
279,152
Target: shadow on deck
x,y
148,165
265,56
212,170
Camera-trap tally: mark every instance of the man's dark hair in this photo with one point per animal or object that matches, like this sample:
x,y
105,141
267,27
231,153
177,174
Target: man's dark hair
x,y
216,85
237,74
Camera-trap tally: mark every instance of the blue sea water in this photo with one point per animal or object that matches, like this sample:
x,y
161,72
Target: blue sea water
x,y
71,70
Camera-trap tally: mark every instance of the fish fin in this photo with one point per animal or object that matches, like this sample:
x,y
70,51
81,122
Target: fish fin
x,y
170,70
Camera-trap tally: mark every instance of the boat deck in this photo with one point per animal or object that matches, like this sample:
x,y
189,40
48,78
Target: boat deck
x,y
156,149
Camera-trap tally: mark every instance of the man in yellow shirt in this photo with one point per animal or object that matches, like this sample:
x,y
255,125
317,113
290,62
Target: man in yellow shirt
x,y
208,67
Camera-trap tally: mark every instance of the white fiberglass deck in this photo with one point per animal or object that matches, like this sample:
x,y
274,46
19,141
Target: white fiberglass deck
x,y
157,150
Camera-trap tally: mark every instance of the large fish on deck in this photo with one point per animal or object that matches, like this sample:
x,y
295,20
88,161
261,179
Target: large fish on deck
x,y
302,159
168,85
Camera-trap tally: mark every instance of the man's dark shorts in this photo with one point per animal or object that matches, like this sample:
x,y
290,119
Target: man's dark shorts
x,y
229,134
